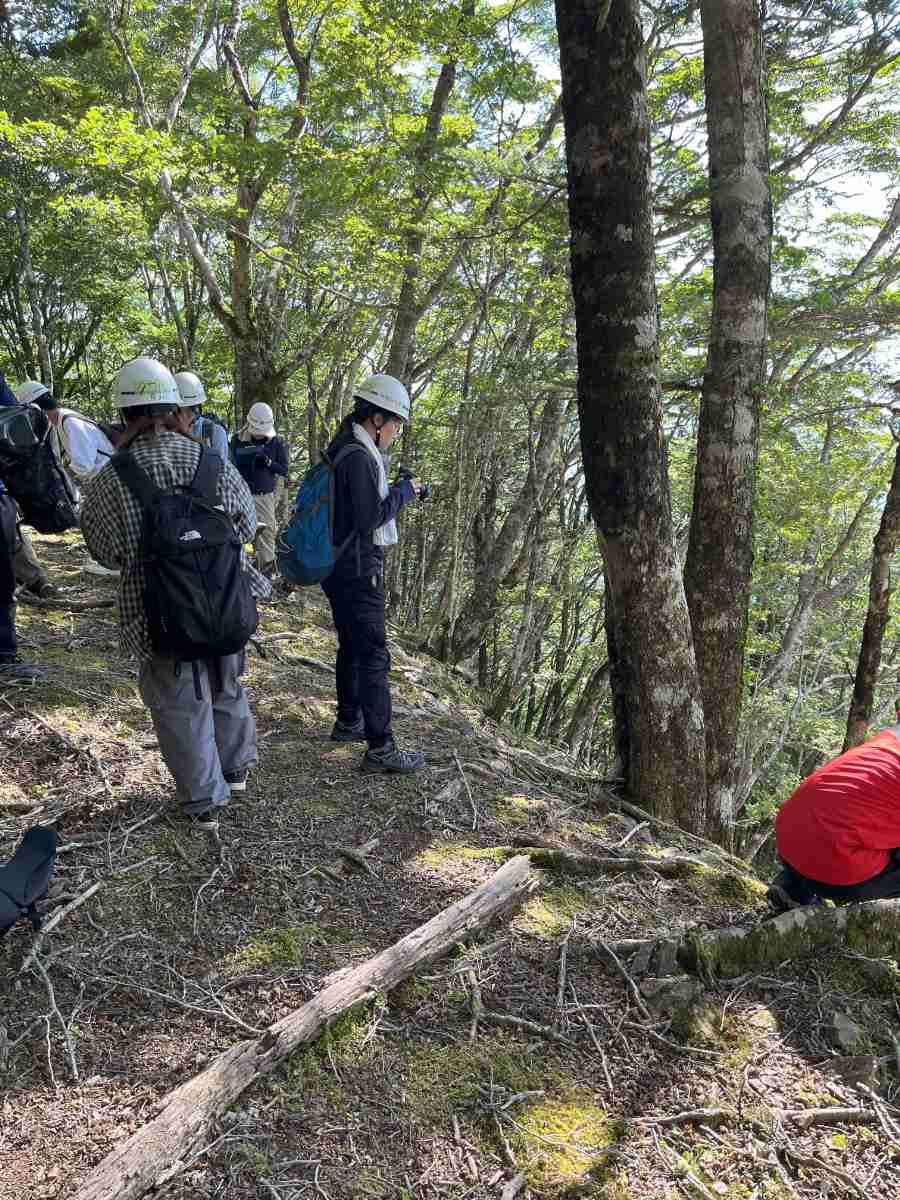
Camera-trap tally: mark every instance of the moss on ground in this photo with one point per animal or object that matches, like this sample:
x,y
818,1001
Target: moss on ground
x,y
550,914
560,1138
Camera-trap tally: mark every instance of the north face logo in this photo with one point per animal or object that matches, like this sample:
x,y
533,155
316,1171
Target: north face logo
x,y
190,536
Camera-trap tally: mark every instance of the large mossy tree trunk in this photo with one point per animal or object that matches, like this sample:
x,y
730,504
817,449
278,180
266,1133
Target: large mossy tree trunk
x,y
876,617
720,552
613,281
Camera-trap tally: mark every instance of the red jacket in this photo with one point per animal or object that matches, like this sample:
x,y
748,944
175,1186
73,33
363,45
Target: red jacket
x,y
840,823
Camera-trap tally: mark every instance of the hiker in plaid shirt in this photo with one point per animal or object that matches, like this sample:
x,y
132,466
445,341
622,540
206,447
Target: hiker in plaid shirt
x,y
206,732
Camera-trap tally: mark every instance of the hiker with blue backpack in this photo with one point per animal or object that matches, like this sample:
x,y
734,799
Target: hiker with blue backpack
x,y
173,518
364,514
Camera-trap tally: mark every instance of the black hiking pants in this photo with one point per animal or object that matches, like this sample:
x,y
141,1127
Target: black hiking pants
x,y
884,886
7,576
363,661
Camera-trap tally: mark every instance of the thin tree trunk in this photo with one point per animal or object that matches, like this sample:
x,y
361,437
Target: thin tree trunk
x,y
403,338
720,552
31,289
886,539
619,399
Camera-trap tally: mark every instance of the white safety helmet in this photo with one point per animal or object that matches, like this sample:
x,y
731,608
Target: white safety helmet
x,y
30,390
260,420
145,382
190,389
384,391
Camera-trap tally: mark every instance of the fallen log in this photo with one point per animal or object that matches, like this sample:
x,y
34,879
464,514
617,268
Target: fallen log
x,y
556,858
872,929
159,1149
60,604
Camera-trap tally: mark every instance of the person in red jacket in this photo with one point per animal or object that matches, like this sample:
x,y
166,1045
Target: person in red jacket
x,y
838,834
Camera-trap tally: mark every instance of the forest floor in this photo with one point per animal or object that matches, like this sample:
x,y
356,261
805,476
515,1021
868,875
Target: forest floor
x,y
178,955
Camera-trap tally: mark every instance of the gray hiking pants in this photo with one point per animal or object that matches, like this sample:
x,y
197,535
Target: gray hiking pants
x,y
201,740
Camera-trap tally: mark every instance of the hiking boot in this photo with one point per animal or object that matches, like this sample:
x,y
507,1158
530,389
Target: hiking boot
x,y
349,731
43,589
390,760
237,780
94,568
205,822
13,667
783,898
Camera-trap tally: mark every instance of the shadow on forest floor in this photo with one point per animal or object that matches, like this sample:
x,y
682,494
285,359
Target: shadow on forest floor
x,y
177,956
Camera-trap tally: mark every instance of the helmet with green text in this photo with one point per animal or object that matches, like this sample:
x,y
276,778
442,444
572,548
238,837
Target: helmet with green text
x,y
145,384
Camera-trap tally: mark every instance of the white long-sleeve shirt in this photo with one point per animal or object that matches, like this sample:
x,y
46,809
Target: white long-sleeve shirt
x,y
87,448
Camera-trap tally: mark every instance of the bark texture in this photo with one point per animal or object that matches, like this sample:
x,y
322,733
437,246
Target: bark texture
x,y
720,552
614,286
886,539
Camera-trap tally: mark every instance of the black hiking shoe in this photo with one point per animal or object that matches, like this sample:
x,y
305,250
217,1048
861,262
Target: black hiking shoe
x,y
390,760
237,780
205,822
783,899
43,589
349,731
13,667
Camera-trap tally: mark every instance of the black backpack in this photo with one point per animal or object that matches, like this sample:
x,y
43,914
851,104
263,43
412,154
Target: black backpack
x,y
197,596
32,473
24,879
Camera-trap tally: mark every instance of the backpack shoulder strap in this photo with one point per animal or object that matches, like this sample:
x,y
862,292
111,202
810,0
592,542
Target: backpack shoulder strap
x,y
206,478
135,478
344,452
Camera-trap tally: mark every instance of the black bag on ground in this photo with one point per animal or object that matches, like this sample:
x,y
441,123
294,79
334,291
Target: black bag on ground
x,y
32,473
197,597
24,879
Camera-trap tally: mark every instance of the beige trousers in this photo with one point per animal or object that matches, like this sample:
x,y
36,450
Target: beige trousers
x,y
264,542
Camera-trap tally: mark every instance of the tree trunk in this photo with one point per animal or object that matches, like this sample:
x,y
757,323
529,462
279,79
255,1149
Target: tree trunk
x,y
877,616
619,400
720,552
482,603
34,301
403,338
138,1163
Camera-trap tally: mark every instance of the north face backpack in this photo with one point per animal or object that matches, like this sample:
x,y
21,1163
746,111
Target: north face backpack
x,y
305,548
24,879
197,596
32,473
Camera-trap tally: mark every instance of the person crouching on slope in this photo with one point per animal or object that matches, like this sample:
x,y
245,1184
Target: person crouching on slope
x,y
261,457
365,506
838,834
206,732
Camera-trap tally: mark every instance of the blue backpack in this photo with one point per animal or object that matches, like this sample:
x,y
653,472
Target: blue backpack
x,y
305,549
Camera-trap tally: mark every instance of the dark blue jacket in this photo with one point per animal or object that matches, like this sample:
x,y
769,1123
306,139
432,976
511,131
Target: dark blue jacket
x,y
7,400
259,461
358,508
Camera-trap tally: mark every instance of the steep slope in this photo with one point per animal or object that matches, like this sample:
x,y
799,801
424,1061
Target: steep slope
x,y
532,1062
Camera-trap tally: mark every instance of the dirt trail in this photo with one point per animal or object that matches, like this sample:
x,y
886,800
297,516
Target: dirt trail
x,y
177,955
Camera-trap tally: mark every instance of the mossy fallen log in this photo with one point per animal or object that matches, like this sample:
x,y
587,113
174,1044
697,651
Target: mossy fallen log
x,y
871,929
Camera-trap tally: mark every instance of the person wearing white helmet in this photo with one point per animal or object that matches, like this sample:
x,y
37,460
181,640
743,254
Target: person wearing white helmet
x,y
86,445
192,419
365,510
12,667
206,732
262,459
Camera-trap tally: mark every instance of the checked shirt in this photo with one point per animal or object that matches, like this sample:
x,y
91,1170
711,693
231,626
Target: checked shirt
x,y
112,520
